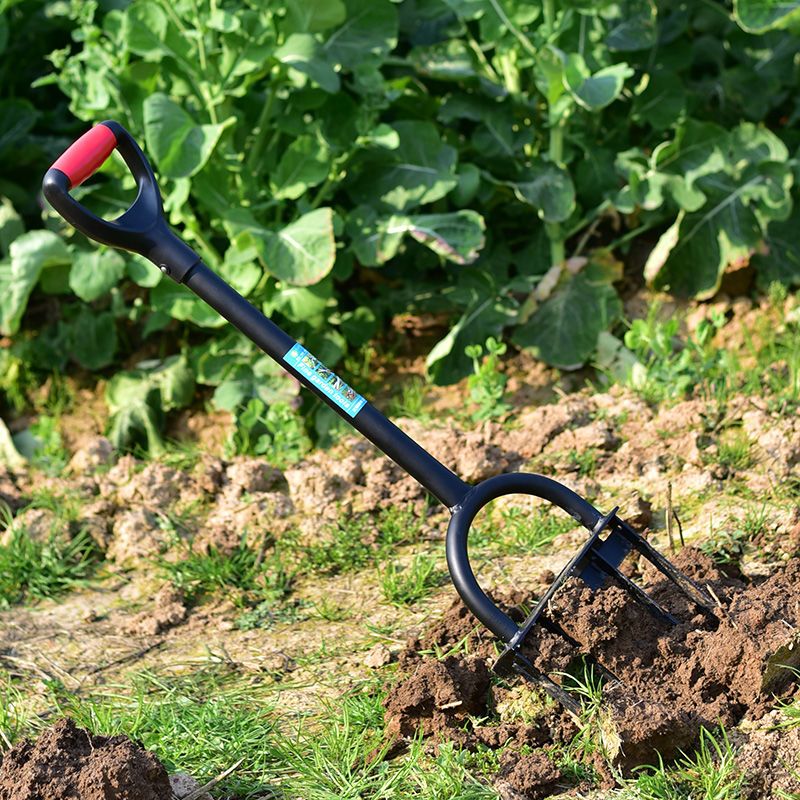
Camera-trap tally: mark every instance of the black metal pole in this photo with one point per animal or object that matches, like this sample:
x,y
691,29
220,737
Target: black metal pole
x,y
443,484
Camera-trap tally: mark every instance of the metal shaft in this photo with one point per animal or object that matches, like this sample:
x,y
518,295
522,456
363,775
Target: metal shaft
x,y
443,484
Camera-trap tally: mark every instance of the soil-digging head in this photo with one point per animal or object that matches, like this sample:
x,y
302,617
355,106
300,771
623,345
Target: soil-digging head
x,y
672,680
67,762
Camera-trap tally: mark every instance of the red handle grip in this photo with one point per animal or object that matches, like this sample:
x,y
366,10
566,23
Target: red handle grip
x,y
84,157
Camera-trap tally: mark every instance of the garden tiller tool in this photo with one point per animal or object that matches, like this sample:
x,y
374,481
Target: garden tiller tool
x,y
144,230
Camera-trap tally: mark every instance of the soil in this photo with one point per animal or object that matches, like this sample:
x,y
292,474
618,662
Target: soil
x,y
667,683
67,762
672,680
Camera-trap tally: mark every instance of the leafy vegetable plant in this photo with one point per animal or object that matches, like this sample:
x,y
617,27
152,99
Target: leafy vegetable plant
x,y
488,161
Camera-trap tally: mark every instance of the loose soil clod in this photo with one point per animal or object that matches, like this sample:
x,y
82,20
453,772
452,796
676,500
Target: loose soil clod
x,y
67,762
672,680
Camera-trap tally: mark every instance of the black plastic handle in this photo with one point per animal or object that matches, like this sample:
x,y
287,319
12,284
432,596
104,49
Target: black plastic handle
x,y
142,228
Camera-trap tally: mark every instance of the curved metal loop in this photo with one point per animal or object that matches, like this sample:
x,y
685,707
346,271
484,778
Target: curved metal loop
x,y
464,514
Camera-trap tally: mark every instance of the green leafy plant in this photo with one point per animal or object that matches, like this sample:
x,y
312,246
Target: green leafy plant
x,y
487,384
276,432
660,364
137,400
484,162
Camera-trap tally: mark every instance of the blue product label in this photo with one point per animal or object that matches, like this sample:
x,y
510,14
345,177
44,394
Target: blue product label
x,y
326,380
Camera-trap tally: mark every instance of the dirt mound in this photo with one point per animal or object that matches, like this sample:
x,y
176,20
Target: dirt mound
x,y
438,696
666,681
67,762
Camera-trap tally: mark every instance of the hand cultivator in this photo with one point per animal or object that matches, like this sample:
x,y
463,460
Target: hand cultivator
x,y
143,229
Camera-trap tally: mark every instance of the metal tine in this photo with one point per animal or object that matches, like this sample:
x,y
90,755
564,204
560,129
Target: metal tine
x,y
632,588
525,668
557,630
684,583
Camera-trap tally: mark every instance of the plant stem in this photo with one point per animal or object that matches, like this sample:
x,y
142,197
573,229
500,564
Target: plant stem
x,y
549,16
556,146
554,232
261,131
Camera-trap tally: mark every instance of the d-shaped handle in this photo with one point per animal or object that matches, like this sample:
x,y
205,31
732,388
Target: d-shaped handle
x,y
142,228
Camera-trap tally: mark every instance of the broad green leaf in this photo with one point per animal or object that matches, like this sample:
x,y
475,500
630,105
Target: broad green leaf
x,y
138,418
177,301
144,29
312,16
264,380
486,316
370,29
95,272
303,252
469,181
9,455
138,398
757,16
756,143
632,27
11,225
29,254
698,149
693,254
457,237
179,146
549,74
595,91
304,163
661,103
216,357
445,61
382,135
175,379
240,267
359,326
421,170
55,280
305,304
563,331
302,52
92,339
17,118
3,33
548,189
779,259
223,21
142,272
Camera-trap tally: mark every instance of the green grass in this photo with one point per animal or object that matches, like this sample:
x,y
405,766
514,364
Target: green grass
x,y
404,586
710,774
356,542
518,532
199,575
585,463
12,716
791,709
202,723
343,757
734,450
36,570
216,718
411,402
729,544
